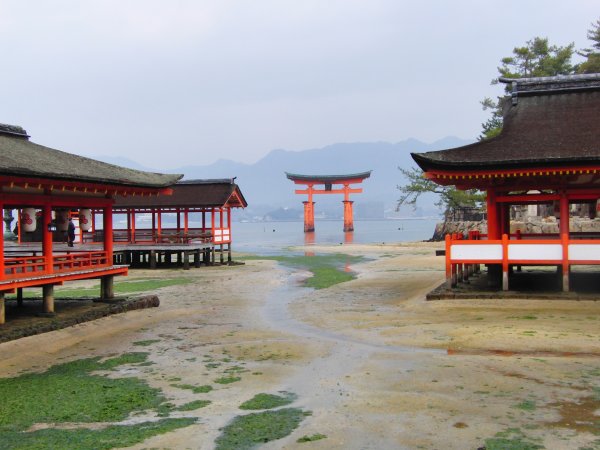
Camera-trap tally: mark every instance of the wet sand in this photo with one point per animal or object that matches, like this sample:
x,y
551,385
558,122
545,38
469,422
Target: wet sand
x,y
378,366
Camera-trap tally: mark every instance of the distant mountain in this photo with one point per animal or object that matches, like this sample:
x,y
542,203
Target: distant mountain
x,y
264,183
266,188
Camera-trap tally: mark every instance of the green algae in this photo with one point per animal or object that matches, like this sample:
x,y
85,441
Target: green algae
x,y
75,393
193,405
120,287
84,439
227,380
203,389
327,270
146,342
311,438
246,432
511,439
268,401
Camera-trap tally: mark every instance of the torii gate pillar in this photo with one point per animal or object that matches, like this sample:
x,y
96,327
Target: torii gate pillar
x,y
309,216
310,181
348,217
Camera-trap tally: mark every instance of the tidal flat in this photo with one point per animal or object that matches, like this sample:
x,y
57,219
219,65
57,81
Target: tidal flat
x,y
364,362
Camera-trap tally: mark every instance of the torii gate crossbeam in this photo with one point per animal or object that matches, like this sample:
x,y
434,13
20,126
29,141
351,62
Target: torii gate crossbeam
x,y
328,182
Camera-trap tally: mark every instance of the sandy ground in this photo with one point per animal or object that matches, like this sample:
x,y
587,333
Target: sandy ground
x,y
378,366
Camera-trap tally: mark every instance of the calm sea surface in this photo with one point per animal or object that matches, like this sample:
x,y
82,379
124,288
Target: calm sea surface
x,y
271,237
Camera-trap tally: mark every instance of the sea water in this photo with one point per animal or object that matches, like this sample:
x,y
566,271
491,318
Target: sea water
x,y
272,237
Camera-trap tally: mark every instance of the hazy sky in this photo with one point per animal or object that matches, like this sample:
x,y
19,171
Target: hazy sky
x,y
177,82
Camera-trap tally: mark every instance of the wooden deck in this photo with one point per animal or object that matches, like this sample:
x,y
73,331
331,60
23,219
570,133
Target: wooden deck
x,y
57,278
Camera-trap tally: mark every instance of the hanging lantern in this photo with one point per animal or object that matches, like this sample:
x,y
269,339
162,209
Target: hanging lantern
x,y
28,220
85,219
62,220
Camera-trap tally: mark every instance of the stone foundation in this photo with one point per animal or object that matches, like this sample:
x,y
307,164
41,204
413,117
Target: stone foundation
x,y
533,225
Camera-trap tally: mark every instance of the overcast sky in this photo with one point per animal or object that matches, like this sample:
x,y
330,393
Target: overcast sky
x,y
179,82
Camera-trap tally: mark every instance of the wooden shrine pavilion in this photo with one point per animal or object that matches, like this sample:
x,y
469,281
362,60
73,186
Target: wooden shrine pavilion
x,y
328,182
548,153
199,212
51,184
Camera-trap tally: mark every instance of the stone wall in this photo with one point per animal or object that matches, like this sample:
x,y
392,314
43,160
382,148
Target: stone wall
x,y
533,225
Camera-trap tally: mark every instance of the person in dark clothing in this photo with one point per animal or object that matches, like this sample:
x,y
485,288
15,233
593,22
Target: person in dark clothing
x,y
71,232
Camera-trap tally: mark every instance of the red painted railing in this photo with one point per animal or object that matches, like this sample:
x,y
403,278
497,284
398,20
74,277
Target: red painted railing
x,y
28,266
146,236
463,256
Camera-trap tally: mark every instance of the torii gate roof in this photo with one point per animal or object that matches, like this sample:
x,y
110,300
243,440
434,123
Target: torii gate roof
x,y
329,178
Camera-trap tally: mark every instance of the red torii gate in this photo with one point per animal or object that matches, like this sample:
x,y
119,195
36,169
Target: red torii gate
x,y
328,181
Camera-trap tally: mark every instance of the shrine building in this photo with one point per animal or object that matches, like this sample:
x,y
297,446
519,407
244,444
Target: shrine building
x,y
47,186
548,153
197,212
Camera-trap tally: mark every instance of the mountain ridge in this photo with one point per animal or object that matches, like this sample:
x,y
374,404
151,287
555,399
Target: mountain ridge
x,y
266,187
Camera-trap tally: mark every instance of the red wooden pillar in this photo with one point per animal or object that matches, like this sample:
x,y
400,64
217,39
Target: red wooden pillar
x,y
153,224
19,226
348,215
492,215
128,220
309,217
212,222
108,233
505,241
133,226
47,238
158,224
309,211
564,236
186,220
2,260
448,264
178,220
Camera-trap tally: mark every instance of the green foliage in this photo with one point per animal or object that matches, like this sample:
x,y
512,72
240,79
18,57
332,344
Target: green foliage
x,y
450,198
592,55
85,439
246,432
268,401
537,58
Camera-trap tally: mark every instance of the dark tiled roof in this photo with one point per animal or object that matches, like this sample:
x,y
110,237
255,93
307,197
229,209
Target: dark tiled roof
x,y
191,193
328,178
552,121
21,157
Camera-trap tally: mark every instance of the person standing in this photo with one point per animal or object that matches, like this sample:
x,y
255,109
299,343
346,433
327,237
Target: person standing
x,y
71,232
